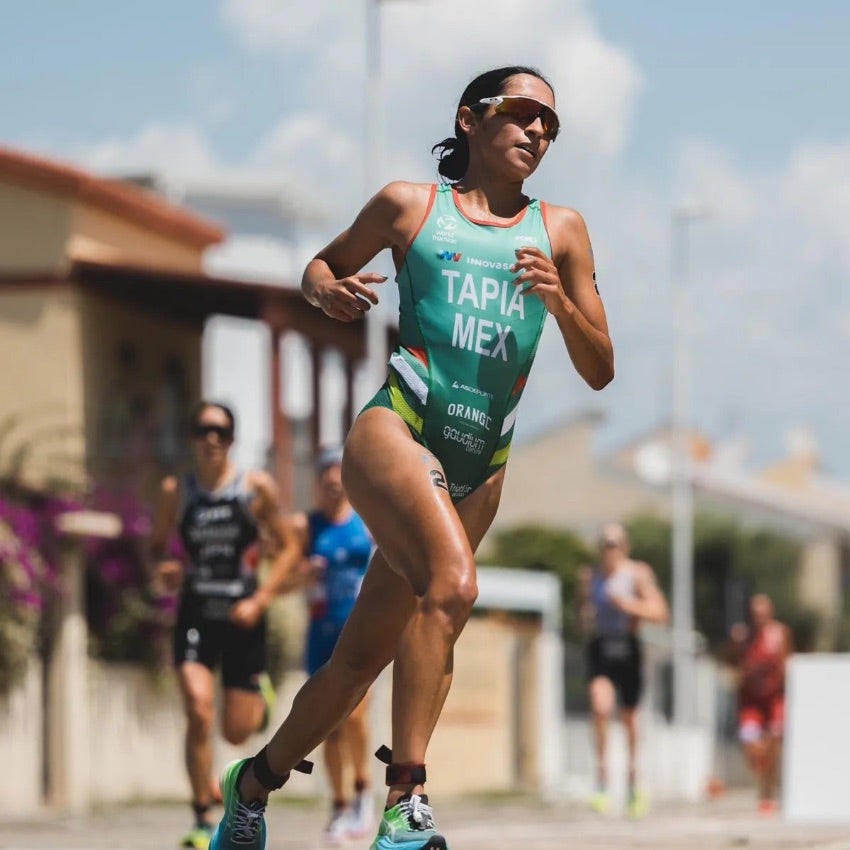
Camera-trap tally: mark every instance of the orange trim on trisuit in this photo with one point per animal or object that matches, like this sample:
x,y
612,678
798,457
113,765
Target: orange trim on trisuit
x,y
420,354
431,199
515,220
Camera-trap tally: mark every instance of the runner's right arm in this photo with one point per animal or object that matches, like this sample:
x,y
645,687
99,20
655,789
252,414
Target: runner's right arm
x,y
166,572
584,602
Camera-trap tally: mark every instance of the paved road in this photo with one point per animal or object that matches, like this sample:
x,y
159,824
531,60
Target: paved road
x,y
474,825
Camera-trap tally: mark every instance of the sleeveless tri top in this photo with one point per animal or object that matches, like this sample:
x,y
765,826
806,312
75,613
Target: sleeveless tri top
x,y
467,336
609,620
218,531
763,665
346,548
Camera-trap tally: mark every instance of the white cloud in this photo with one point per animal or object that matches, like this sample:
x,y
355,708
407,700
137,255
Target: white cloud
x,y
179,148
319,43
767,269
254,257
430,49
599,85
596,83
268,25
817,189
315,154
705,175
299,135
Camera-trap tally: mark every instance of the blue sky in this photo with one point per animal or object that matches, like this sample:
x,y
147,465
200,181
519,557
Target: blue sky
x,y
759,77
739,106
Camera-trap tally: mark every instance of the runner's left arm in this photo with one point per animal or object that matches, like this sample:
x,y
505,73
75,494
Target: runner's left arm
x,y
567,286
304,573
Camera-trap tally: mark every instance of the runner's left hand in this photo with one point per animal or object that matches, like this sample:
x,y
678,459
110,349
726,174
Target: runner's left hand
x,y
538,276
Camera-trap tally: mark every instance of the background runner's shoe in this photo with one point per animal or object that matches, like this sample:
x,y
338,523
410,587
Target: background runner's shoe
x,y
198,837
337,828
243,826
600,802
638,803
768,807
361,818
409,825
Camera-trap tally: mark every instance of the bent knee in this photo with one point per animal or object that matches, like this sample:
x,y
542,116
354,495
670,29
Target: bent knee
x,y
236,733
452,597
200,714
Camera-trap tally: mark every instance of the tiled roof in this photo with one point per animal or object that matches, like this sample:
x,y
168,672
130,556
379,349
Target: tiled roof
x,y
113,196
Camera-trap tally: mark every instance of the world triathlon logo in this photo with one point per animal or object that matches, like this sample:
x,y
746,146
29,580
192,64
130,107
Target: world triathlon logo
x,y
447,222
450,256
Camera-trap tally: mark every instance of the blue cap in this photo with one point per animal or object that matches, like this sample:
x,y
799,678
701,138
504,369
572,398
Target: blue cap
x,y
330,456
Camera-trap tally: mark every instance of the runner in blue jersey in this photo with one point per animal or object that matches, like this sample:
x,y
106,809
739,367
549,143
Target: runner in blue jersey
x,y
425,460
338,547
218,511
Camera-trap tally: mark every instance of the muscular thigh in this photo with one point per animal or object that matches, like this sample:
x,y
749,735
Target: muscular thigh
x,y
384,606
390,480
399,489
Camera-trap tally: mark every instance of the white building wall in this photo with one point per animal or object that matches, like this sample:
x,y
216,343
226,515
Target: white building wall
x,y
20,746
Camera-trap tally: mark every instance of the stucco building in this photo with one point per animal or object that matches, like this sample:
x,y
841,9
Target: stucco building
x,y
103,301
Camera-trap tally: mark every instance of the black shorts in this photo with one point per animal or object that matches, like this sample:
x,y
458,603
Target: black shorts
x,y
214,642
620,659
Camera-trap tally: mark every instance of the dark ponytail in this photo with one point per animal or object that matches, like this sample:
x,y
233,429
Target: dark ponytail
x,y
453,152
453,155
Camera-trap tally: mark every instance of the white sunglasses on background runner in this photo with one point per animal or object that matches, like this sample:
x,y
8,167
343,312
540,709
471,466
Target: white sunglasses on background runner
x,y
524,110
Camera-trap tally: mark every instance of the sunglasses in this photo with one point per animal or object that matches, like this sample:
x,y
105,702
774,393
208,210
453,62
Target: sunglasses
x,y
202,431
525,111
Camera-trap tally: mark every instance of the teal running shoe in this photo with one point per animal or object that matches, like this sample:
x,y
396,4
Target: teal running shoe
x,y
243,826
409,825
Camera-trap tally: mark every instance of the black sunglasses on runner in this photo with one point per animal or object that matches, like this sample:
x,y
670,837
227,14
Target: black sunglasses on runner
x,y
524,110
201,431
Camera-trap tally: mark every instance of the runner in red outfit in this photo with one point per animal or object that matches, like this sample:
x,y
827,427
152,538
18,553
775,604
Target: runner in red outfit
x,y
761,650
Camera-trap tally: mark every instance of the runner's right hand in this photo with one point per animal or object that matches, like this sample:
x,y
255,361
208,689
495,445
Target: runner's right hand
x,y
168,577
349,298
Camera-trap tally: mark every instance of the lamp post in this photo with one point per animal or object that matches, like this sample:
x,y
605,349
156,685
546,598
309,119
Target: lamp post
x,y
682,497
373,125
373,157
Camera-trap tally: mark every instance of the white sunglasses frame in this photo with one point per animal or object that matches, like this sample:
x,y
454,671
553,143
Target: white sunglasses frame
x,y
498,99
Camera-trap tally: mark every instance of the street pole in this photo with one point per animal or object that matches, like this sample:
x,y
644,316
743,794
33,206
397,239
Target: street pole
x,y
373,143
376,334
682,496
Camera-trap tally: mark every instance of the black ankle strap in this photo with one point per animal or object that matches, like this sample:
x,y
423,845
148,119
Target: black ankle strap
x,y
410,773
270,780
